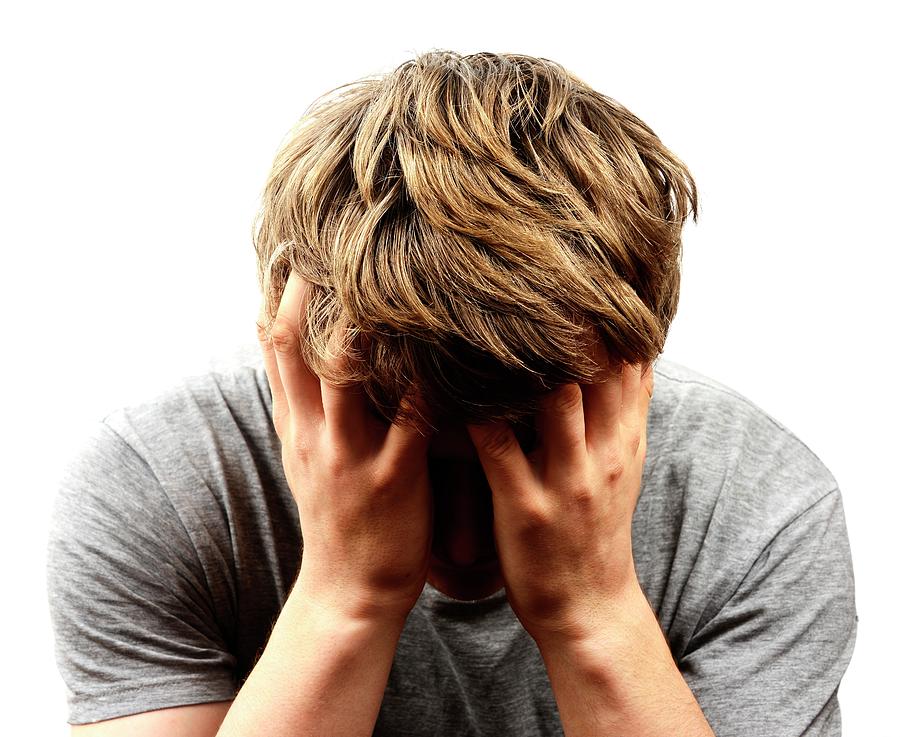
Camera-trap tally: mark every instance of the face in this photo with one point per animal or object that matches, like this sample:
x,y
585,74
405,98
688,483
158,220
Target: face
x,y
464,563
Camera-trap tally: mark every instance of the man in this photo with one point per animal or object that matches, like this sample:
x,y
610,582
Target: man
x,y
459,493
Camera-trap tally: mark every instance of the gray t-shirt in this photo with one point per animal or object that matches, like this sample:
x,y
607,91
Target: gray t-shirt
x,y
175,541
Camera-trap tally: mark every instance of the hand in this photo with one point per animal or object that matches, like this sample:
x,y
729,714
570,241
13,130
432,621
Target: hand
x,y
361,486
562,515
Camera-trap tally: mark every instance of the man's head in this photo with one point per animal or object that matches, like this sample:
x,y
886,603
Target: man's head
x,y
472,225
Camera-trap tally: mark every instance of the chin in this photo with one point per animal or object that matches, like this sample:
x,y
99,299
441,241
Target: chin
x,y
466,583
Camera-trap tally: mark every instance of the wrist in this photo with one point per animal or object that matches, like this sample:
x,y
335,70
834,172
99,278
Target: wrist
x,y
335,605
604,622
621,678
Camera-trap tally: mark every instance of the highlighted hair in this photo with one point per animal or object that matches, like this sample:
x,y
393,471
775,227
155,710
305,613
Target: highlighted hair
x,y
471,226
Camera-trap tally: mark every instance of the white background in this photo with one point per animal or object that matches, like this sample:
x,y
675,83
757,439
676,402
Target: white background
x,y
136,139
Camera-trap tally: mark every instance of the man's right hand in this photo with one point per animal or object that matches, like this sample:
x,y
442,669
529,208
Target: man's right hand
x,y
361,486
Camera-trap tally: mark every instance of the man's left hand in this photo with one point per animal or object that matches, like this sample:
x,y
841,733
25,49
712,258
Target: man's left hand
x,y
562,514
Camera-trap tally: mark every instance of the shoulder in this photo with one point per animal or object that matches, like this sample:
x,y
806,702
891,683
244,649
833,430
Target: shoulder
x,y
179,452
716,437
228,397
723,481
721,473
200,456
188,427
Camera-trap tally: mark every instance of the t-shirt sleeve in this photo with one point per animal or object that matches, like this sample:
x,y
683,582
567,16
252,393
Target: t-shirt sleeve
x,y
770,662
133,622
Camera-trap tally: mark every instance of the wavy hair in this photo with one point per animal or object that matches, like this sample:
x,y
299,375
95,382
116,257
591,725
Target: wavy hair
x,y
470,226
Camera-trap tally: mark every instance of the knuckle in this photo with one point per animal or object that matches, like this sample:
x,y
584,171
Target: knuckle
x,y
633,443
534,520
284,339
382,476
499,442
341,455
330,465
614,467
567,398
614,473
315,461
582,498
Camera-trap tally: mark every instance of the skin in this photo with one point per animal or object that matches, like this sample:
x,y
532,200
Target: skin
x,y
384,509
565,509
464,563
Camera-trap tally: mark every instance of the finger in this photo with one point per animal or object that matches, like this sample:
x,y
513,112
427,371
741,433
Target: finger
x,y
345,407
560,426
646,392
505,465
403,442
632,389
603,406
301,385
279,403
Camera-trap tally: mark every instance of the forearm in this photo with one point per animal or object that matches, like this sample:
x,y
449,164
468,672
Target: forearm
x,y
320,674
620,678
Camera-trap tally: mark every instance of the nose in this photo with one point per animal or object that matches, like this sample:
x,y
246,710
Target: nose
x,y
463,513
462,543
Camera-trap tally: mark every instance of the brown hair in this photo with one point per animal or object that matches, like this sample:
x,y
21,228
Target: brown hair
x,y
471,225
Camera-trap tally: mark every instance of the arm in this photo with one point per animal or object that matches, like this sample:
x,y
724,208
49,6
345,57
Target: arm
x,y
139,640
621,679
769,662
129,604
321,673
364,504
194,720
569,505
